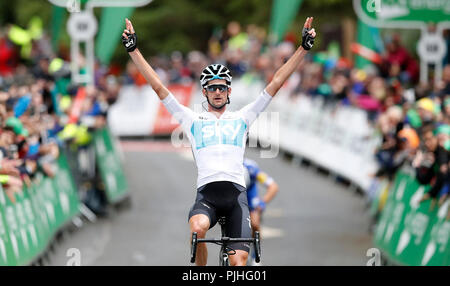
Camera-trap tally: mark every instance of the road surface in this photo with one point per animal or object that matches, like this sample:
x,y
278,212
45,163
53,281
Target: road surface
x,y
312,221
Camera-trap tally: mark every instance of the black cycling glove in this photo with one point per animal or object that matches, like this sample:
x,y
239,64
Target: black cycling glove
x,y
130,43
307,39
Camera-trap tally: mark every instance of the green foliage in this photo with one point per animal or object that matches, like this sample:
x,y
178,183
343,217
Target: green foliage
x,y
328,4
20,12
164,26
185,25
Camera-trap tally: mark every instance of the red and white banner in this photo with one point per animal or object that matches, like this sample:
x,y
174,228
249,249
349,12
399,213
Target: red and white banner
x,y
366,53
164,124
75,112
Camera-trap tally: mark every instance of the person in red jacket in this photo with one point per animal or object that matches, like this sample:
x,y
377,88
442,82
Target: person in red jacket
x,y
7,58
398,62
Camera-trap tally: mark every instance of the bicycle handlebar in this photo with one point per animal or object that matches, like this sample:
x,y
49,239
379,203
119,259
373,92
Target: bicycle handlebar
x,y
226,239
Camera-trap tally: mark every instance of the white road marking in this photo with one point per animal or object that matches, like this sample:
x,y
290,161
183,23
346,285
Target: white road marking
x,y
273,212
269,232
139,257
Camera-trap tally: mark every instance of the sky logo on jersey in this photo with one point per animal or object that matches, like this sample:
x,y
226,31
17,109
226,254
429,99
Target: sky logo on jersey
x,y
208,133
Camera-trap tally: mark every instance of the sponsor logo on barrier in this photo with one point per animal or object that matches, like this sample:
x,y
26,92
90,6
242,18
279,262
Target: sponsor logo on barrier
x,y
2,226
2,236
28,210
2,250
415,223
23,235
110,165
33,234
100,146
21,223
10,218
112,183
2,198
65,204
50,212
408,231
14,244
440,234
63,179
395,222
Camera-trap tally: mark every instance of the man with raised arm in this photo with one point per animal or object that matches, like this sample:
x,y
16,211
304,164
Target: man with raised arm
x,y
218,139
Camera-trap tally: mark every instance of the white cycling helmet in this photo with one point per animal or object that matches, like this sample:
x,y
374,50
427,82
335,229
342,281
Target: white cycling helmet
x,y
215,71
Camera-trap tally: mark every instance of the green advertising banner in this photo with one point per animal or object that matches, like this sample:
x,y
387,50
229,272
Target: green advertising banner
x,y
409,232
110,30
389,222
366,36
14,221
110,165
57,22
402,13
7,256
27,234
409,243
41,209
283,13
40,222
28,225
67,191
437,249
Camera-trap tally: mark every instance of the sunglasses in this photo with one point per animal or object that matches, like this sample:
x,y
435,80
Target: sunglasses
x,y
214,87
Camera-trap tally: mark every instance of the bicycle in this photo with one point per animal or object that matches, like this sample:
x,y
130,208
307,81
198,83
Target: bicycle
x,y
225,250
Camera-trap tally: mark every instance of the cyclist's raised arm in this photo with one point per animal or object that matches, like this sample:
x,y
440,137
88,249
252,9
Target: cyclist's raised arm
x,y
289,67
129,40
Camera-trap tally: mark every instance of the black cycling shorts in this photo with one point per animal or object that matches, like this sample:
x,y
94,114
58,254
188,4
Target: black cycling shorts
x,y
227,199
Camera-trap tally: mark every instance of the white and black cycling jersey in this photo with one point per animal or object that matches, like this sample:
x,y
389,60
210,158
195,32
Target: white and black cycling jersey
x,y
218,144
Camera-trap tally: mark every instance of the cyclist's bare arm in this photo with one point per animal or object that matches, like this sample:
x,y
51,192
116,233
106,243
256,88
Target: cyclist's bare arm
x,y
270,184
271,191
285,71
144,67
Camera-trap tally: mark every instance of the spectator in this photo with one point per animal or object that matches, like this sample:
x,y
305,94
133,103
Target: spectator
x,y
398,63
446,110
431,163
445,84
33,129
390,155
179,72
7,57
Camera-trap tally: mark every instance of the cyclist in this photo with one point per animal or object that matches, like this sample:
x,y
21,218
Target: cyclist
x,y
218,140
253,176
